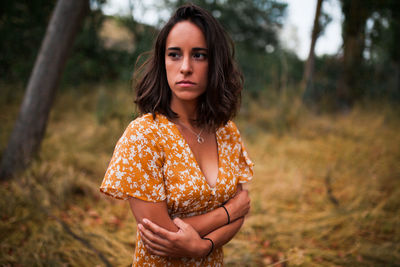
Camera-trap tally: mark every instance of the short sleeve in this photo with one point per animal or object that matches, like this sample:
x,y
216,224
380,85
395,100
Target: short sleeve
x,y
245,165
135,169
244,168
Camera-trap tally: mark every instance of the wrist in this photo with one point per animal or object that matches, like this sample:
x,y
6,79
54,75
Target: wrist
x,y
207,247
228,217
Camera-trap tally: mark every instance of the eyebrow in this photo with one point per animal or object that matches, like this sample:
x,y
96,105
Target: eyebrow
x,y
199,49
194,48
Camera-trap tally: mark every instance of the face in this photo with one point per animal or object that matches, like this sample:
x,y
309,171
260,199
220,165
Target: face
x,y
186,62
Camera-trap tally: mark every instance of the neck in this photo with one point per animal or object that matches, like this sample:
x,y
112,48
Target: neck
x,y
186,110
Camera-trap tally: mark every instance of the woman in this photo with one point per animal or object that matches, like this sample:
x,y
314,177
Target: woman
x,y
181,164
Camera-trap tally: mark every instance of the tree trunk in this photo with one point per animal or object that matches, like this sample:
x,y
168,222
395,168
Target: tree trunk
x,y
355,13
307,82
30,126
395,53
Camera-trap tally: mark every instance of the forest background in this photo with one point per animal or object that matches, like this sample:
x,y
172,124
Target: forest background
x,y
323,133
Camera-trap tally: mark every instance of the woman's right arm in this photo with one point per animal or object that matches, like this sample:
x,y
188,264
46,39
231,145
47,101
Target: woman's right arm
x,y
193,244
156,212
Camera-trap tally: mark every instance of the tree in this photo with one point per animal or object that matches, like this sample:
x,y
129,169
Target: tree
x,y
355,33
30,126
356,13
309,67
394,52
383,48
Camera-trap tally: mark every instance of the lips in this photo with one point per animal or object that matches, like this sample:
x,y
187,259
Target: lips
x,y
186,83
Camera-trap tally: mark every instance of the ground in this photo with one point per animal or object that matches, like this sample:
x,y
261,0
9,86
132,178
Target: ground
x,y
326,189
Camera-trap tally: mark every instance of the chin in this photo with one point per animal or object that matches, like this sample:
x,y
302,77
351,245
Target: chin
x,y
188,96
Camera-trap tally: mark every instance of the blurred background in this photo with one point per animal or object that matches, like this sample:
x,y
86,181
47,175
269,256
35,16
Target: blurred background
x,y
319,117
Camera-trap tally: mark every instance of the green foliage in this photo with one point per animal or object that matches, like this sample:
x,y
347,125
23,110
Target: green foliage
x,y
253,26
22,27
144,38
90,61
371,57
253,23
383,63
277,70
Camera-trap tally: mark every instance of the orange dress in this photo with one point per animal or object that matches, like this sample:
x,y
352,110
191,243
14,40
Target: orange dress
x,y
153,162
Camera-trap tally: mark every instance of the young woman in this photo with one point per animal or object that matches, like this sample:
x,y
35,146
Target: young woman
x,y
181,164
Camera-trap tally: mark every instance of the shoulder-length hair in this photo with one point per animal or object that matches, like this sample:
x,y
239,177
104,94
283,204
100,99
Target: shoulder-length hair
x,y
220,102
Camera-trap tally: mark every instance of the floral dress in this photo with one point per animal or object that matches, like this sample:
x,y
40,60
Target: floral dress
x,y
153,162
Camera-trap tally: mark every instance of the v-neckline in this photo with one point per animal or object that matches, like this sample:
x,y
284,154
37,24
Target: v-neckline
x,y
175,128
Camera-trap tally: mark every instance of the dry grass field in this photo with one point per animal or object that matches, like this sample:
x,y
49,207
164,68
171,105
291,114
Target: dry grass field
x,y
326,190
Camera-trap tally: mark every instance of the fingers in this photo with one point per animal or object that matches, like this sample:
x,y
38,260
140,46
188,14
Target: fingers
x,y
186,234
154,238
153,249
156,245
181,224
159,241
156,229
150,245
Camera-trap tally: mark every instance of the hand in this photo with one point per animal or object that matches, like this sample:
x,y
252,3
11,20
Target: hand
x,y
186,242
239,205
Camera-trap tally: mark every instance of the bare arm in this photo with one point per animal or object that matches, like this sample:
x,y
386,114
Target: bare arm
x,y
224,234
179,238
157,212
237,207
182,239
187,241
159,241
154,211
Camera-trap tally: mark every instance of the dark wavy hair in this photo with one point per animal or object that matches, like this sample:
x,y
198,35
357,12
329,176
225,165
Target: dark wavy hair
x,y
221,100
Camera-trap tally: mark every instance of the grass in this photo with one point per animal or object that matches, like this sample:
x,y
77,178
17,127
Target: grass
x,y
326,190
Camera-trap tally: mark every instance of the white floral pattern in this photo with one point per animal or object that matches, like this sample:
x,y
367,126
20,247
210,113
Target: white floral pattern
x,y
153,162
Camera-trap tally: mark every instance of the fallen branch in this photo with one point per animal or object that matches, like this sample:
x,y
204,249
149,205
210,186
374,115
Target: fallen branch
x,y
331,197
82,240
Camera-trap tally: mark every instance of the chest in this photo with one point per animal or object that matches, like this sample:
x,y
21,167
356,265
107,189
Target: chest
x,y
188,191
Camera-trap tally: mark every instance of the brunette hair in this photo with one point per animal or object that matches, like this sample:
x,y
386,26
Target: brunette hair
x,y
220,102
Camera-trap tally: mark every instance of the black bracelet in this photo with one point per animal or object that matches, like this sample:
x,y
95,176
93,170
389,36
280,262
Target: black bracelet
x,y
212,245
227,213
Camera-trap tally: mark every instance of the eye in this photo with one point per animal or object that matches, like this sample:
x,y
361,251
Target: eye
x,y
200,56
174,55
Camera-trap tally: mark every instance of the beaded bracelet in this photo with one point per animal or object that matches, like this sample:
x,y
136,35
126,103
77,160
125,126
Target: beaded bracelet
x,y
227,213
212,245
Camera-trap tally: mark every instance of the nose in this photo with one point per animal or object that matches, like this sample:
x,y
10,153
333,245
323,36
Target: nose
x,y
186,67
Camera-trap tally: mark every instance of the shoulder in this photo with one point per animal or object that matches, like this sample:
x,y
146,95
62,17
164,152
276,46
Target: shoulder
x,y
145,124
144,121
143,127
230,131
232,128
